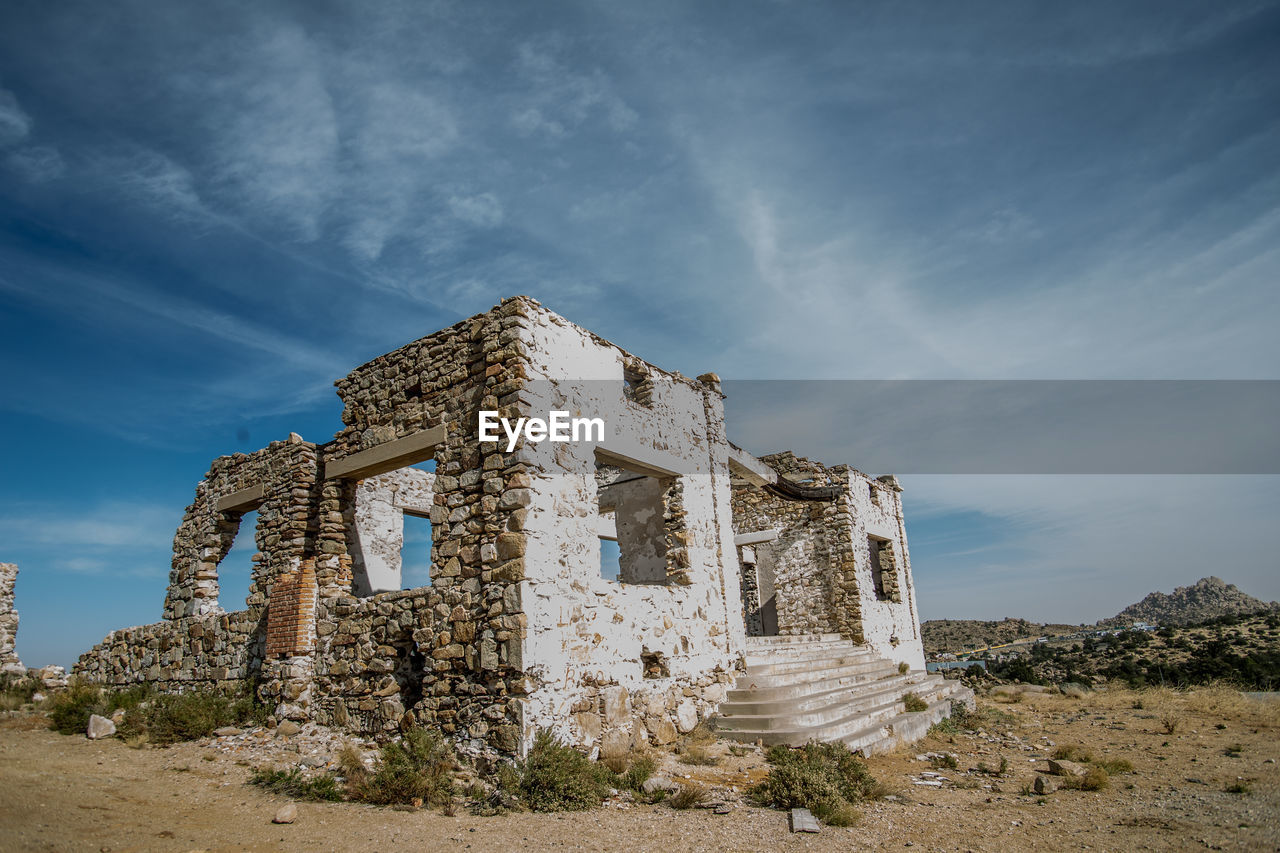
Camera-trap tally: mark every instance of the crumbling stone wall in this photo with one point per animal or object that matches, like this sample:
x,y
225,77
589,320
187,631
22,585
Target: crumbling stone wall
x,y
517,629
9,662
822,557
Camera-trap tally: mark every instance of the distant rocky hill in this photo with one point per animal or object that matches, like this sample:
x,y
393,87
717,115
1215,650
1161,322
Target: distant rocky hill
x,y
954,635
1208,598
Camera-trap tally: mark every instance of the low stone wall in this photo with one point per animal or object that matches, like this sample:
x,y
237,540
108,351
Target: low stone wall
x,y
218,650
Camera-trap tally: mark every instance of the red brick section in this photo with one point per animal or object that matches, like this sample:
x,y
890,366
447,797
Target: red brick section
x,y
291,612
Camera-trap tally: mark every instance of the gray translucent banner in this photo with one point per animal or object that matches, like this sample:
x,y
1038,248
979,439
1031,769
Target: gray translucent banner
x,y
1014,426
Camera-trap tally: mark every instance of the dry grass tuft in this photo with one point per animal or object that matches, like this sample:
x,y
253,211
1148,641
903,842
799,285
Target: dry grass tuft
x,y
691,795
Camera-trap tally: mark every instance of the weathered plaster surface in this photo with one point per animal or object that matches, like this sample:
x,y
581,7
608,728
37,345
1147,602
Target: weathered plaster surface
x,y
517,630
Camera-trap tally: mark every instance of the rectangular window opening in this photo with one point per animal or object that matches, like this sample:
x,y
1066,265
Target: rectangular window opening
x,y
235,569
640,521
389,532
874,547
415,551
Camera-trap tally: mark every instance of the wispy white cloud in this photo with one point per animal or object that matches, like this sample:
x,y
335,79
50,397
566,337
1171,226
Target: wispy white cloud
x,y
117,537
37,163
15,124
561,97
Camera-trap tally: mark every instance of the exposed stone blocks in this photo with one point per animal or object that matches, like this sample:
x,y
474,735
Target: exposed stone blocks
x,y
517,629
9,662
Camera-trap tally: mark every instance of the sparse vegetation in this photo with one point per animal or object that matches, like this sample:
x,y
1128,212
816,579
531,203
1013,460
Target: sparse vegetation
x,y
825,778
904,668
1072,752
292,783
914,703
1169,721
556,777
697,755
417,770
1095,779
1116,766
1238,787
944,760
689,796
988,770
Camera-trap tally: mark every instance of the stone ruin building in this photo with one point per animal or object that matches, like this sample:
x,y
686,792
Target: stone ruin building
x,y
9,663
772,593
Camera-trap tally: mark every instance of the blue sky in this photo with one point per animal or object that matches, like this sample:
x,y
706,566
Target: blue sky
x,y
212,211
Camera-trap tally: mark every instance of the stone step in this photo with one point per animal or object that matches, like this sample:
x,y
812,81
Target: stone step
x,y
755,706
790,639
818,710
840,729
903,729
802,681
809,664
814,651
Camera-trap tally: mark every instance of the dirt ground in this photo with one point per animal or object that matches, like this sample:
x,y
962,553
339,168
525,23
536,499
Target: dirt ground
x,y
69,793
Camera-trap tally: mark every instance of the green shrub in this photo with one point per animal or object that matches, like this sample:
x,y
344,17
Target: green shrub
x,y
418,767
69,711
638,773
169,718
821,777
555,777
944,760
16,691
914,703
293,784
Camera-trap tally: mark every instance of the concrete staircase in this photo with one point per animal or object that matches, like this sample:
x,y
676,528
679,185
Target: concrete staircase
x,y
820,687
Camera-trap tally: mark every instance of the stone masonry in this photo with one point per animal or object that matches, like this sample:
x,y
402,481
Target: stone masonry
x,y
519,628
9,663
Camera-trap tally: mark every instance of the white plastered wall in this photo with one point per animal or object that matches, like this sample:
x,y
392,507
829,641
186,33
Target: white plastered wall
x,y
883,621
586,634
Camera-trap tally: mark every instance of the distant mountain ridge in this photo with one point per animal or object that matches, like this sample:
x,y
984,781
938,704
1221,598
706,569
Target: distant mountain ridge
x,y
1208,598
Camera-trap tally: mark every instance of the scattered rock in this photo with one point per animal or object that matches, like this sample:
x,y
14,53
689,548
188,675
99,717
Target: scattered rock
x,y
658,783
1044,785
287,813
1067,768
100,727
802,820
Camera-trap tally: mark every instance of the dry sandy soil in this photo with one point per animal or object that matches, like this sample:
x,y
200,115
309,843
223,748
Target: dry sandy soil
x,y
68,793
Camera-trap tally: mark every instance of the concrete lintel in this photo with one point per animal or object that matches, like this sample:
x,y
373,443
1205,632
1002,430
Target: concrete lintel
x,y
756,537
389,456
243,500
749,468
640,460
